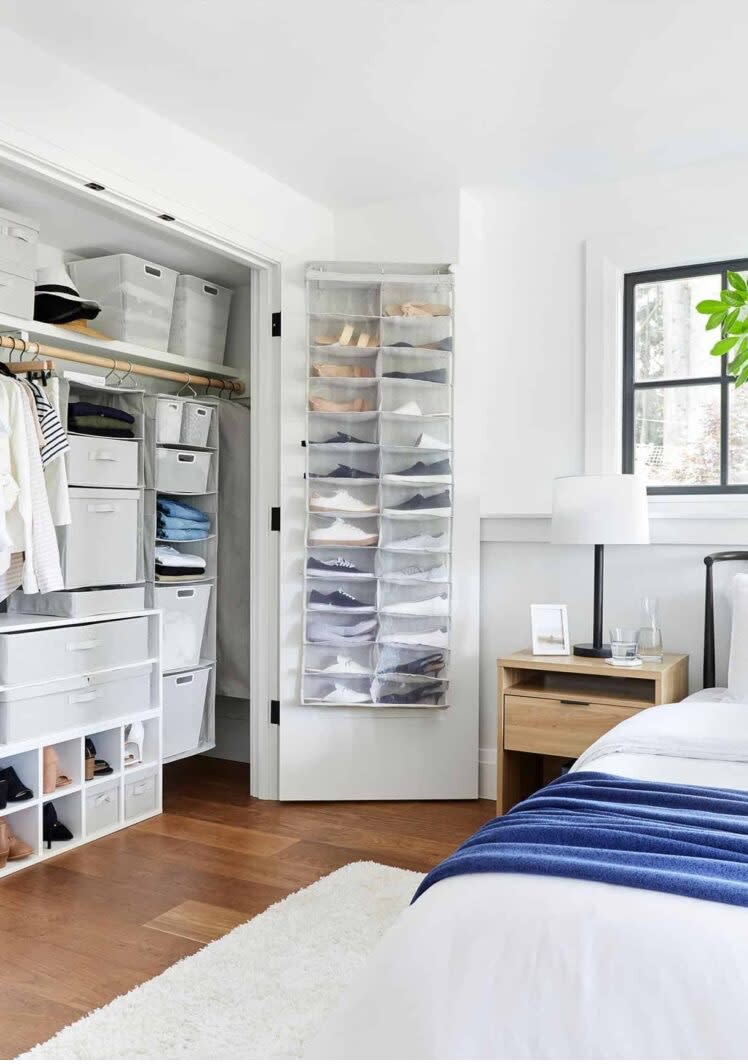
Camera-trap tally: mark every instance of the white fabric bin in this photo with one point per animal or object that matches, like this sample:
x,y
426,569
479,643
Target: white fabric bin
x,y
16,295
99,461
184,613
102,809
200,319
196,419
19,237
182,472
33,711
136,297
184,704
80,603
102,545
169,420
141,795
68,650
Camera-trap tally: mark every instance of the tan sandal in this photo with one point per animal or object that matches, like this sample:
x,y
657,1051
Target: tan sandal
x,y
327,369
358,406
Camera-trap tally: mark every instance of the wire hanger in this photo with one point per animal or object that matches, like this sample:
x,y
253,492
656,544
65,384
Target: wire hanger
x,y
188,384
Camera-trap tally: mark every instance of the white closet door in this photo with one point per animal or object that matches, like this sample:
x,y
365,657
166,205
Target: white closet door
x,y
379,750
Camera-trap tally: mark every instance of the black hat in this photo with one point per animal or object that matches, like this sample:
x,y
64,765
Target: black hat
x,y
58,301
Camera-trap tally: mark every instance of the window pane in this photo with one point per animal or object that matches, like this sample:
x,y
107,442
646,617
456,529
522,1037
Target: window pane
x,y
670,338
676,434
738,469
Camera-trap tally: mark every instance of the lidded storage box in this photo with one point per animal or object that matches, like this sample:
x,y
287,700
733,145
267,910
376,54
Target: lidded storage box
x,y
19,237
200,320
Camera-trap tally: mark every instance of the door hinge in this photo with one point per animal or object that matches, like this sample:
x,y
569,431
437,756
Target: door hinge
x,y
275,711
275,518
275,323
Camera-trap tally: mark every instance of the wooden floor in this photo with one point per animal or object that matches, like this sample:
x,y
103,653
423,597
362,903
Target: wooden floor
x,y
79,930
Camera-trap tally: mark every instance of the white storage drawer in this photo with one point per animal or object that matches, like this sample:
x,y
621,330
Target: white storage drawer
x,y
102,809
182,472
196,419
32,711
136,297
184,613
102,545
141,796
16,295
169,420
19,237
97,461
80,603
200,319
48,653
184,704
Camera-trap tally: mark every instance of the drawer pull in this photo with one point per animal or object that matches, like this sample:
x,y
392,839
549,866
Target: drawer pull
x,y
87,696
572,702
104,799
101,456
102,508
138,789
87,644
185,457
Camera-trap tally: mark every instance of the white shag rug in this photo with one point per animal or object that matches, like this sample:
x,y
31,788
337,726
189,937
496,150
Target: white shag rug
x,y
262,991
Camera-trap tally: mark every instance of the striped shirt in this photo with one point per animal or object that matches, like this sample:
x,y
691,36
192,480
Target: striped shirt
x,y
55,437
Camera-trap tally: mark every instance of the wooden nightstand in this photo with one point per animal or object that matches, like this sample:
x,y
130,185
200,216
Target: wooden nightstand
x,y
552,708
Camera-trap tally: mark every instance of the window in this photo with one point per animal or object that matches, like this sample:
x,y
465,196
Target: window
x,y
685,427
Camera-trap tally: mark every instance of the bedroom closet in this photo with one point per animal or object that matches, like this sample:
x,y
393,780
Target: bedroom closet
x,y
145,498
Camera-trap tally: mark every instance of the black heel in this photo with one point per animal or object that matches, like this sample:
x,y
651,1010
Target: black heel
x,y
52,829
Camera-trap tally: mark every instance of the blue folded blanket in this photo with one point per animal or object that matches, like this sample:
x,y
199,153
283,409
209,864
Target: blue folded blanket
x,y
173,508
183,522
588,825
182,535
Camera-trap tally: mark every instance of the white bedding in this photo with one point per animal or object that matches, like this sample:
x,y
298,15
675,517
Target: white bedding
x,y
497,966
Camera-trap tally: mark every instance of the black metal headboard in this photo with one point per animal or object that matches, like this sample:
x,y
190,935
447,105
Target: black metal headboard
x,y
720,556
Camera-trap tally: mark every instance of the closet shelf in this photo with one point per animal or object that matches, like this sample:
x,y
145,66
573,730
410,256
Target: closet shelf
x,y
202,664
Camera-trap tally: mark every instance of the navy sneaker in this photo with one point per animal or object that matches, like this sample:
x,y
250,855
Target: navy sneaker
x,y
429,665
423,469
344,437
337,565
338,600
344,472
436,376
422,694
441,501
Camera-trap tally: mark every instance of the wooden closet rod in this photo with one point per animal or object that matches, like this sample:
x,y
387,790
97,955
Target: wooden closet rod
x,y
31,347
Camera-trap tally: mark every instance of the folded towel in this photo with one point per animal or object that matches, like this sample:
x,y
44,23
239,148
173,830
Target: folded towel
x,y
95,410
97,421
167,557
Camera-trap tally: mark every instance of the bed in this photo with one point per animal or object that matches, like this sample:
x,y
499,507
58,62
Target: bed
x,y
530,966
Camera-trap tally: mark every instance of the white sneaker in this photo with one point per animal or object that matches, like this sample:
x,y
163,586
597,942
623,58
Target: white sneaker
x,y
412,409
342,501
329,632
345,666
426,541
430,443
346,695
413,573
433,607
439,637
342,534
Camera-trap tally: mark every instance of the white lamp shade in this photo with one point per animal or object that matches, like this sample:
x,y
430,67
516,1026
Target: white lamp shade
x,y
600,508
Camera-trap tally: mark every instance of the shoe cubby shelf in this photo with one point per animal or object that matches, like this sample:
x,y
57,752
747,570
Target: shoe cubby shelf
x,y
116,693
379,490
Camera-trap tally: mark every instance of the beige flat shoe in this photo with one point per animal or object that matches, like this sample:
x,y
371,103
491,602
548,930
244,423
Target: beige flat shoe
x,y
324,341
327,369
425,310
358,406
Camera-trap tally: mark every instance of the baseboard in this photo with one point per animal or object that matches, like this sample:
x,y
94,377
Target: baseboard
x,y
487,773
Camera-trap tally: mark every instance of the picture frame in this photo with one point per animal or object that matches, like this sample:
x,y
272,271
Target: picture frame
x,y
549,623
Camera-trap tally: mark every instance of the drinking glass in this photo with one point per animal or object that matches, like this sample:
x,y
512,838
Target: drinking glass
x,y
623,643
650,644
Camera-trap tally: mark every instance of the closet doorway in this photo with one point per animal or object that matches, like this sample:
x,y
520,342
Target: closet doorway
x,y
78,219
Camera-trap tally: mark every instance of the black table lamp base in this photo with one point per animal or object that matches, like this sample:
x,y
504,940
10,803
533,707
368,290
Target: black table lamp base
x,y
596,649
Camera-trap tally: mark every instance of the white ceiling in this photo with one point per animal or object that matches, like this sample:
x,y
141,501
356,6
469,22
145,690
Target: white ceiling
x,y
352,101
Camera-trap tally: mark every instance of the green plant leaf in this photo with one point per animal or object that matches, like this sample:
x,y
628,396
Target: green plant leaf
x,y
742,377
710,306
736,281
723,346
731,323
715,319
733,299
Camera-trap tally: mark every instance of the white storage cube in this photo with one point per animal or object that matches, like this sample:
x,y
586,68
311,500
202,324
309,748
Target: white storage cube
x,y
182,472
16,295
31,711
19,237
200,319
183,707
185,610
102,545
196,419
141,795
68,650
80,603
136,297
102,808
169,420
100,461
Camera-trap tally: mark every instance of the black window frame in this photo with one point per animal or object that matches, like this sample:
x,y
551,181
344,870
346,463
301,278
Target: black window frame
x,y
723,380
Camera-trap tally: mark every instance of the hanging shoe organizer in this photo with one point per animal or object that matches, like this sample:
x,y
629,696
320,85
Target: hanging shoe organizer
x,y
379,489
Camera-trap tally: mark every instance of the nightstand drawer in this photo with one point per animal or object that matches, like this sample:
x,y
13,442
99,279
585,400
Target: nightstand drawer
x,y
558,727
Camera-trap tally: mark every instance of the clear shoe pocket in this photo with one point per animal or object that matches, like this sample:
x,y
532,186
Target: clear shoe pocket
x,y
335,532
422,333
422,600
412,398
352,663
353,501
340,563
410,692
341,628
428,295
403,568
426,663
429,632
429,534
429,367
402,432
343,297
336,395
336,690
330,430
431,464
346,596
337,365
346,465
410,500
335,330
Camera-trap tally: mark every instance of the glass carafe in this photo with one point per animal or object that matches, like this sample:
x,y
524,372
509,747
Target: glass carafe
x,y
650,633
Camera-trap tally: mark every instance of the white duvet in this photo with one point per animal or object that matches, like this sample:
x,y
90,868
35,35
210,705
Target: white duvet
x,y
502,966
